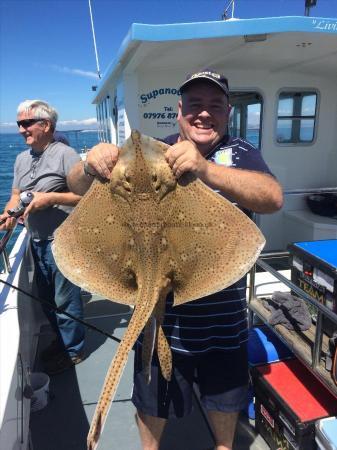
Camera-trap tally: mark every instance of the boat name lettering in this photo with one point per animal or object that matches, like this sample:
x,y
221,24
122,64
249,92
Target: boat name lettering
x,y
156,92
325,25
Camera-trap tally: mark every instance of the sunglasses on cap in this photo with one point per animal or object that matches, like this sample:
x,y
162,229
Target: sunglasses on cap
x,y
26,123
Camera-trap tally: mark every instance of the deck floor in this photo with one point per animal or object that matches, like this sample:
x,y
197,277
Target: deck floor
x,y
64,423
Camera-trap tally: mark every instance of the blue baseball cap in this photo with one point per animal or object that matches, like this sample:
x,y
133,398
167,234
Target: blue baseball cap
x,y
207,74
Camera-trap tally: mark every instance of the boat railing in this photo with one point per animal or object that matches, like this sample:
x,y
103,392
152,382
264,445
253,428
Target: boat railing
x,y
308,191
3,250
313,363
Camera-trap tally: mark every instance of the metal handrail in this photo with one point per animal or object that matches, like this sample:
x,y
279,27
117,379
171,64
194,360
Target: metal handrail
x,y
310,191
322,310
331,315
279,254
3,250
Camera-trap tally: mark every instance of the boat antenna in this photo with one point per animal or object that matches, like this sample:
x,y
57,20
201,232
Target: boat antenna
x,y
94,39
308,5
231,3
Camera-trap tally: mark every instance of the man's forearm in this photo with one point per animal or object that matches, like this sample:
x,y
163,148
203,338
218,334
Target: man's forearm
x,y
256,191
64,198
13,201
78,182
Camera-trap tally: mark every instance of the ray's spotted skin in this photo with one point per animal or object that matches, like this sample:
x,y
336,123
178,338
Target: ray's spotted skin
x,y
144,233
154,337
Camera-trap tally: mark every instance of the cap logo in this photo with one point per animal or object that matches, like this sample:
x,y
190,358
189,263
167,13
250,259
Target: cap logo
x,y
212,74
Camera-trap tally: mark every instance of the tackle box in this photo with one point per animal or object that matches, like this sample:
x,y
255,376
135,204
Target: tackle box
x,y
288,402
263,347
314,270
326,433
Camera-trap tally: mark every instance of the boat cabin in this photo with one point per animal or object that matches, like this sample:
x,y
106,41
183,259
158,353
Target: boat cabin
x,y
283,85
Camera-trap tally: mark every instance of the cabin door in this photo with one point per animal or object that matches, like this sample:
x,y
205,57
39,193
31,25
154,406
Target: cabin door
x,y
246,116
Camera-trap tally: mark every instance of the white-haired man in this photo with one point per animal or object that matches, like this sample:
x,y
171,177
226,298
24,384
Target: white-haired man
x,y
42,169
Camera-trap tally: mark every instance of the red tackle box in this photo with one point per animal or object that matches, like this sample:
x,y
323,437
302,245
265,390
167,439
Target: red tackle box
x,y
289,400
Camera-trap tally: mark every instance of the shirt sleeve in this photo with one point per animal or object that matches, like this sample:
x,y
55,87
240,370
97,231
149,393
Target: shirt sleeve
x,y
15,184
70,158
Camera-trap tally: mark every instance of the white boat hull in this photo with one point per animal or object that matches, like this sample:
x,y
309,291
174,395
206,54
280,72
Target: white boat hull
x,y
20,320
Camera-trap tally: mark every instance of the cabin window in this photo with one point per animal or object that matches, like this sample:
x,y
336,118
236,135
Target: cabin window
x,y
246,116
104,120
99,121
296,117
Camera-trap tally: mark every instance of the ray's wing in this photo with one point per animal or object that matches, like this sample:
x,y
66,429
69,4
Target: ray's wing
x,y
213,242
92,249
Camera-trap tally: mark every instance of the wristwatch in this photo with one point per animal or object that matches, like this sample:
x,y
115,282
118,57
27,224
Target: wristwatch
x,y
86,170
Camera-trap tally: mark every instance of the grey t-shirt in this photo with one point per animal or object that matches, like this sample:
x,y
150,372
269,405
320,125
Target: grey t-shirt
x,y
45,172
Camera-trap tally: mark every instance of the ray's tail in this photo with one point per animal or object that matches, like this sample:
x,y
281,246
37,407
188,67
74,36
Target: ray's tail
x,y
154,337
139,318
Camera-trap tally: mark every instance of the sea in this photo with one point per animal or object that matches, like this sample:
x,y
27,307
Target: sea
x,y
12,144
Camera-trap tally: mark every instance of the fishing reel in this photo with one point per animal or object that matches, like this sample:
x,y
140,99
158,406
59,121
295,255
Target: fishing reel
x,y
25,198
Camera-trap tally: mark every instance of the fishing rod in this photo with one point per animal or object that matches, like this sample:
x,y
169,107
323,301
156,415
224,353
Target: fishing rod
x,y
59,310
25,199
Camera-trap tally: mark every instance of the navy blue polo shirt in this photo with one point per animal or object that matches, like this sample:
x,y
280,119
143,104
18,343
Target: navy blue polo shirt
x,y
218,321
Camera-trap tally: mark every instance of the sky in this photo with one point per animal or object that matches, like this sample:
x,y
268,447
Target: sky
x,y
47,52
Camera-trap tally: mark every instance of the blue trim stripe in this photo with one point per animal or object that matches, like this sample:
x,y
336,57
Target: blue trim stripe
x,y
209,30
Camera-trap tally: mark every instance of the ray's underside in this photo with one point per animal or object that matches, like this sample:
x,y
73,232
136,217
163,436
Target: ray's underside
x,y
144,233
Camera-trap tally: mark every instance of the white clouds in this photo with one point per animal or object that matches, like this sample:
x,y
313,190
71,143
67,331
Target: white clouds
x,y
62,125
254,119
84,122
8,124
75,124
79,72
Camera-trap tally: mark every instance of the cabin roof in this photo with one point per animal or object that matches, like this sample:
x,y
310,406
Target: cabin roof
x,y
150,47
